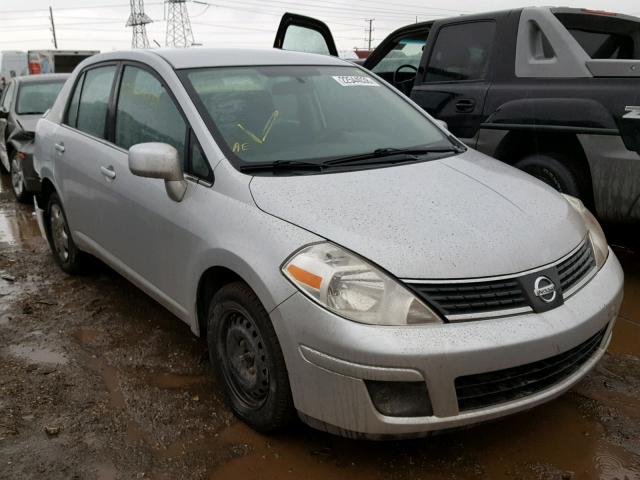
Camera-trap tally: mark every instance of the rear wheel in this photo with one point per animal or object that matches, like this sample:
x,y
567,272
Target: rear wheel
x,y
18,185
555,172
246,355
66,254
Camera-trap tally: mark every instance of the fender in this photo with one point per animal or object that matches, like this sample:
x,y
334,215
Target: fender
x,y
560,115
22,141
278,291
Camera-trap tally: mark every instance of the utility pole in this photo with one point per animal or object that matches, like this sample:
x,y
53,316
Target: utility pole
x,y
138,20
179,33
53,28
369,32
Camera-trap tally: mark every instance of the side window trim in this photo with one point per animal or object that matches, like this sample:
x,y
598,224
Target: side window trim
x,y
81,76
210,179
79,85
437,32
188,150
157,76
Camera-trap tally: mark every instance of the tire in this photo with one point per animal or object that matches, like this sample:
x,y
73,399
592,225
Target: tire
x,y
18,186
247,359
555,171
68,257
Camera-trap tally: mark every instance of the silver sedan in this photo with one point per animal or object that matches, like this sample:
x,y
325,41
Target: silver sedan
x,y
347,259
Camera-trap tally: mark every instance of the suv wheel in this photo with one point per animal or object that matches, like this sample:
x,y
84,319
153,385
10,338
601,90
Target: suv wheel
x,y
553,171
246,355
67,255
17,180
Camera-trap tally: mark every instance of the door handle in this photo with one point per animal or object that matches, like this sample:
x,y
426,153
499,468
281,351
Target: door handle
x,y
108,172
60,147
466,105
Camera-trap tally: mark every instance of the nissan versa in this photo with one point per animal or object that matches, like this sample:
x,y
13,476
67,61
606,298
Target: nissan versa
x,y
346,258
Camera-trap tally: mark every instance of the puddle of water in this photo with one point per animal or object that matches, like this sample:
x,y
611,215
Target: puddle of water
x,y
626,338
110,378
173,380
572,442
106,472
135,434
288,456
86,335
38,355
17,225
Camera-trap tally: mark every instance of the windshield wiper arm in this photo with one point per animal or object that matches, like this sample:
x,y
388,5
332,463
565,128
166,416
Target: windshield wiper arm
x,y
406,154
280,165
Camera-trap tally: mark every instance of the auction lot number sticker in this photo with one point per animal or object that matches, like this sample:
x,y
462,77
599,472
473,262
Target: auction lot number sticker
x,y
355,81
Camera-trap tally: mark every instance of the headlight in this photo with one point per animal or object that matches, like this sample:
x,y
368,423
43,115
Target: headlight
x,y
354,289
596,235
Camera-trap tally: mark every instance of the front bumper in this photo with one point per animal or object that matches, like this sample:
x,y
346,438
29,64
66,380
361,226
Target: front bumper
x,y
328,358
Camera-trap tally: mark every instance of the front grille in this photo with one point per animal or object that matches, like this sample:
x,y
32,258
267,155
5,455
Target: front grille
x,y
471,298
574,268
461,300
486,389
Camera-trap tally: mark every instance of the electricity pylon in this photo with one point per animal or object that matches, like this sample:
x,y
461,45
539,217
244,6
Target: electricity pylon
x,y
179,33
138,20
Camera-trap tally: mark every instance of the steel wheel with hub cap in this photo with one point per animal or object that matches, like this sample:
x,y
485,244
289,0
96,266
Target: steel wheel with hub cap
x,y
17,180
244,351
65,252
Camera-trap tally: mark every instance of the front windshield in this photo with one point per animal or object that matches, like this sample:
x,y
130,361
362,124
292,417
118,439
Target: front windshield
x,y
306,113
37,98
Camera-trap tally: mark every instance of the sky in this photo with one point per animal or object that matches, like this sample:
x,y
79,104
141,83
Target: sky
x,y
100,24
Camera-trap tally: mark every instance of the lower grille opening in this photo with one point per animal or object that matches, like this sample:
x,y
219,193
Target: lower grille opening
x,y
400,399
500,386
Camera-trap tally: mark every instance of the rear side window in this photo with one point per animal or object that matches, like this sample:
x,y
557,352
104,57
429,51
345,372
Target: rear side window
x,y
37,98
146,112
94,101
72,113
461,52
604,36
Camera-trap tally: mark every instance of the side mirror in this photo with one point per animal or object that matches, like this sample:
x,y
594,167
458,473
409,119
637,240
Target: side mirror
x,y
442,124
4,113
159,160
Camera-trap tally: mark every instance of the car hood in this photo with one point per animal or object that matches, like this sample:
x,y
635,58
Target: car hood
x,y
461,217
28,122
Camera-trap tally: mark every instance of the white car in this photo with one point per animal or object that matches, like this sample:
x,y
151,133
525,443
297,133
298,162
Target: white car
x,y
347,258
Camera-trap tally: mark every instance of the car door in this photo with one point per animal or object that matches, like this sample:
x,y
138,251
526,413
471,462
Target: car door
x,y
457,74
81,151
398,59
304,34
5,110
147,234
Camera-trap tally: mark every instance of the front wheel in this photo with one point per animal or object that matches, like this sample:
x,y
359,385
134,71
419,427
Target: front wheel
x,y
554,171
246,355
66,254
18,185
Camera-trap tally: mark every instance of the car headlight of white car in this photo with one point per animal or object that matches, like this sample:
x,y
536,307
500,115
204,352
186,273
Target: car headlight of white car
x,y
353,288
596,235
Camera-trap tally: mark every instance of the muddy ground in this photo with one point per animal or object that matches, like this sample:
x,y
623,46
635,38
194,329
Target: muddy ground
x,y
97,381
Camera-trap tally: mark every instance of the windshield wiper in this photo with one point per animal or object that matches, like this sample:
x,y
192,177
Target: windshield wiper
x,y
405,154
280,165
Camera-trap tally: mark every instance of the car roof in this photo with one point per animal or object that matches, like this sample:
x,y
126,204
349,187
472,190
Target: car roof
x,y
199,57
42,78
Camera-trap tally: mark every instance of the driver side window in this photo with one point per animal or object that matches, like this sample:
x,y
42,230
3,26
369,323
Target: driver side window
x,y
406,51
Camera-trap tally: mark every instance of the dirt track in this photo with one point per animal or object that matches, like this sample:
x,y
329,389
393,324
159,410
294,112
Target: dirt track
x,y
97,381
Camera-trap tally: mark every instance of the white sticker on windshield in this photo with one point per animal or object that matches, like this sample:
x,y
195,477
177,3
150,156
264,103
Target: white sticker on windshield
x,y
355,81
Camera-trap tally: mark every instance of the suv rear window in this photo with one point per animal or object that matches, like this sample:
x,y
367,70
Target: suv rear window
x,y
604,36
